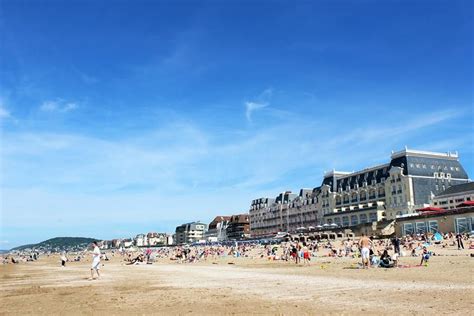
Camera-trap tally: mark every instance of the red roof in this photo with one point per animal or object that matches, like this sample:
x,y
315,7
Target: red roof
x,y
467,203
430,209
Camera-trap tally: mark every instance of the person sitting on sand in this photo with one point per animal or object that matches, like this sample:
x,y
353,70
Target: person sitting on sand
x,y
137,259
385,260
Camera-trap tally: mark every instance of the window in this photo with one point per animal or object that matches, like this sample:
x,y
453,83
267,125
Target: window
x,y
381,192
433,227
354,220
420,227
363,218
462,225
408,229
337,220
373,217
345,221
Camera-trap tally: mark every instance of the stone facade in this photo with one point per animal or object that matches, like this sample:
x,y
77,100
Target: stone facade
x,y
373,194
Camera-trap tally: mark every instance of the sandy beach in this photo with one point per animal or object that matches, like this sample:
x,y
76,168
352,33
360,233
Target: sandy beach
x,y
240,286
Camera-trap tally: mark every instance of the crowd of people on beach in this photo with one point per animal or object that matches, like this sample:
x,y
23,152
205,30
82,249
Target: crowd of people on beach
x,y
384,253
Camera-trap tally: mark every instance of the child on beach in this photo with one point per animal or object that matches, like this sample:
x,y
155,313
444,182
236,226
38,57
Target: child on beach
x,y
425,256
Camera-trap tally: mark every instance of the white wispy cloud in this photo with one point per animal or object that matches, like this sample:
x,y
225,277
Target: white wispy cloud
x,y
58,105
262,101
4,113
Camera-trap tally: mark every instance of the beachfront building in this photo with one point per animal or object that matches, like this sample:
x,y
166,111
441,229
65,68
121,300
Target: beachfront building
x,y
141,240
453,196
127,243
347,199
457,220
239,227
217,229
268,216
190,233
156,239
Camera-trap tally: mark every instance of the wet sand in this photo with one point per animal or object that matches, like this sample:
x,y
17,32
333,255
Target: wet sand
x,y
247,286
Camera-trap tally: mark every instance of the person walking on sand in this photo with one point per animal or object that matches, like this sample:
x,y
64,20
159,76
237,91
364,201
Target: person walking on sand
x,y
95,260
364,244
459,240
64,258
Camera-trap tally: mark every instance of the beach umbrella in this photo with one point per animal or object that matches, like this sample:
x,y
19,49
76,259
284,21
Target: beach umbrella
x,y
326,225
319,226
334,225
310,227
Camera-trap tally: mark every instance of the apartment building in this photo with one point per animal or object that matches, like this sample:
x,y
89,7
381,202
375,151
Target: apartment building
x,y
407,182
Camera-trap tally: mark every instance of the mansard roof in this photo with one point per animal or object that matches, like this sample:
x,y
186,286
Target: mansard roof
x,y
455,189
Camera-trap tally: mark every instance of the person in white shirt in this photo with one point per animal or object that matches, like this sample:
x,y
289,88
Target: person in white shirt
x,y
64,258
95,260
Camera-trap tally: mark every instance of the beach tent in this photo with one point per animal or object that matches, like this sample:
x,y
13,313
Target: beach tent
x,y
438,237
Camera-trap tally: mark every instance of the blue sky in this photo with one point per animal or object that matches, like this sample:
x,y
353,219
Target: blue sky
x,y
132,116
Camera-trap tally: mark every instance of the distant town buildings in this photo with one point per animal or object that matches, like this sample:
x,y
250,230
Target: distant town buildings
x,y
190,233
239,227
346,199
217,230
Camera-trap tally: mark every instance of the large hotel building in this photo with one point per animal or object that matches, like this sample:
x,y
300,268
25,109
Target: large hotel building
x,y
409,181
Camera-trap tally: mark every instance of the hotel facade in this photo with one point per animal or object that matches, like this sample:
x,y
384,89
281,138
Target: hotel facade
x,y
409,181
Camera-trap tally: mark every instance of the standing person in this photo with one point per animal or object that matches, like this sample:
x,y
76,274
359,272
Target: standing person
x,y
63,259
459,240
95,260
396,244
364,245
306,255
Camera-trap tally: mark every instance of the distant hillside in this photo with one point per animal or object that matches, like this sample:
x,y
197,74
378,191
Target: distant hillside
x,y
59,243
